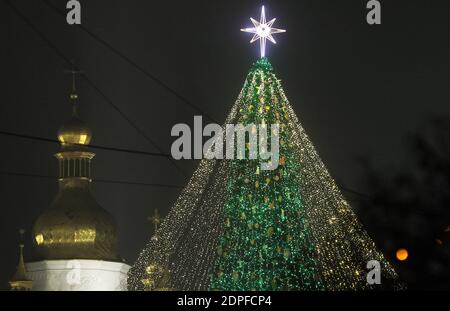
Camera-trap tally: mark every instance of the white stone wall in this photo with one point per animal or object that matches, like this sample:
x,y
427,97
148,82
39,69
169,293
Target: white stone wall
x,y
78,275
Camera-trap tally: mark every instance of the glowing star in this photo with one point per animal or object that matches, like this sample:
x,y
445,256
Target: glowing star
x,y
263,31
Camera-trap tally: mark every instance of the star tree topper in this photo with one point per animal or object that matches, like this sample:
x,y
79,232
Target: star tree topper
x,y
263,31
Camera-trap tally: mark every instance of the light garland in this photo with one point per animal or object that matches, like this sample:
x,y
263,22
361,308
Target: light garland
x,y
235,227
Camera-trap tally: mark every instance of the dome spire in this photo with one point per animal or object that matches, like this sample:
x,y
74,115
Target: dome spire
x,y
20,282
155,220
73,94
74,132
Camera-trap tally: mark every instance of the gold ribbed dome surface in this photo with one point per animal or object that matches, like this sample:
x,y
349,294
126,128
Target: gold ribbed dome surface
x,y
74,131
75,226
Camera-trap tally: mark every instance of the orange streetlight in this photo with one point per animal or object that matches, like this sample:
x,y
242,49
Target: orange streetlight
x,y
402,254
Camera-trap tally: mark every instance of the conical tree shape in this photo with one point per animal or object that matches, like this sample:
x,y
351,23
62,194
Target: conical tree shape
x,y
238,227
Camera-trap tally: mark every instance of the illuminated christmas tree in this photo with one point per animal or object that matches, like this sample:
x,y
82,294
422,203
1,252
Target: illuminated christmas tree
x,y
238,227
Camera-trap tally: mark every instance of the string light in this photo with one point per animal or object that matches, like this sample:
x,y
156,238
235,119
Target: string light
x,y
235,227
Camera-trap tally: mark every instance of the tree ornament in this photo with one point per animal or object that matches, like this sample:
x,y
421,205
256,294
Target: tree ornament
x,y
228,223
235,276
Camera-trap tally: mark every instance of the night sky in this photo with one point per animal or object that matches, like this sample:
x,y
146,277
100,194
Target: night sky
x,y
358,90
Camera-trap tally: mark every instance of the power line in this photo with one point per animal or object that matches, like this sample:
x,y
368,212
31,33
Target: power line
x,y
50,140
108,181
158,81
90,82
134,64
37,138
357,193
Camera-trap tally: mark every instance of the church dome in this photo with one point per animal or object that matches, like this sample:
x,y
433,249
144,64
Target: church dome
x,y
74,131
75,226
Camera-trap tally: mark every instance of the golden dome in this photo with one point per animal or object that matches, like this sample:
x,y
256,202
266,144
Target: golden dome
x,y
74,131
75,226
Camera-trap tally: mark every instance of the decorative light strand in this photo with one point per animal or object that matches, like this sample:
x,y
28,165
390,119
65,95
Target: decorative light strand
x,y
235,227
